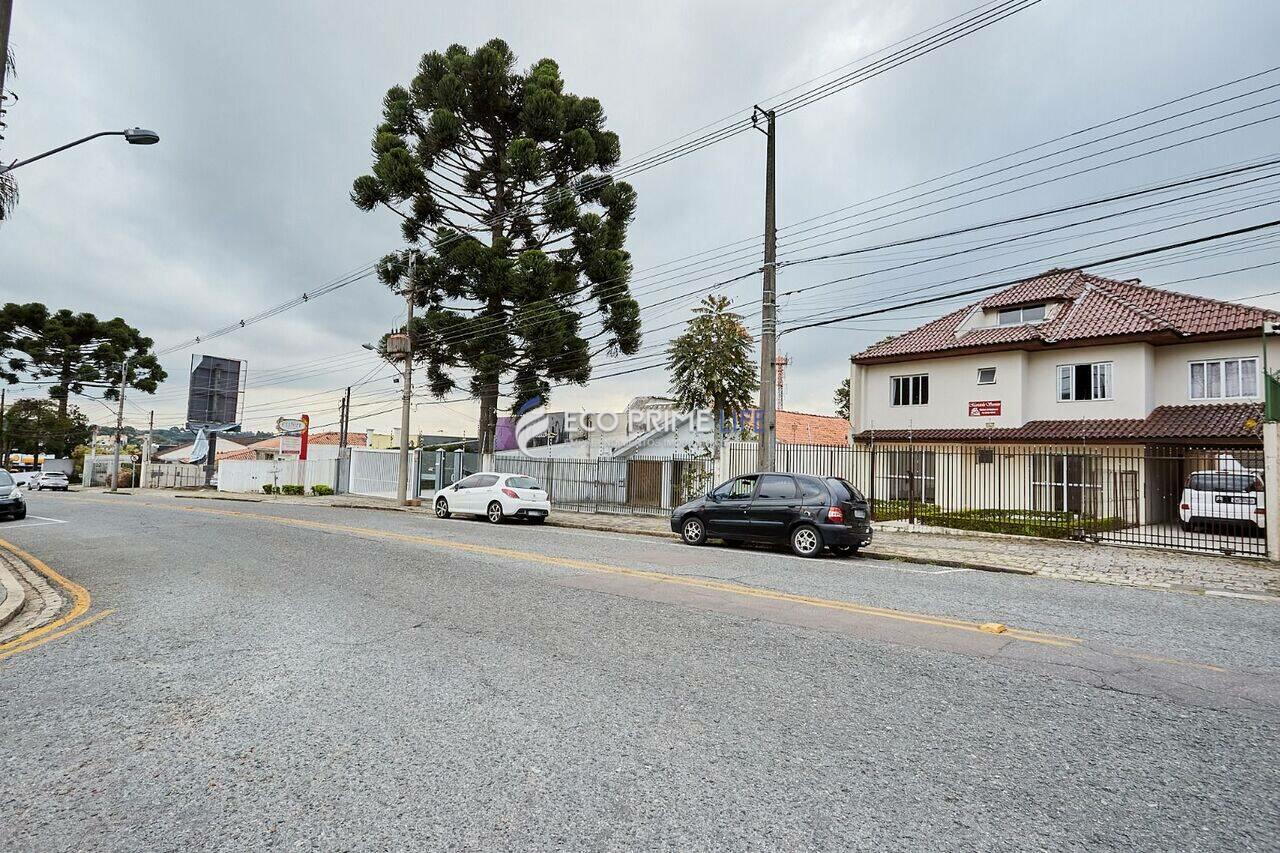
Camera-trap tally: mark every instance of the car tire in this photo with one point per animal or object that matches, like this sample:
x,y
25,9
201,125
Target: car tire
x,y
494,512
693,531
844,550
442,508
806,541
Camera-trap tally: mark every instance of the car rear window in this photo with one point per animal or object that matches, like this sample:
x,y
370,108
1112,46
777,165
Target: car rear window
x,y
844,491
522,483
1220,481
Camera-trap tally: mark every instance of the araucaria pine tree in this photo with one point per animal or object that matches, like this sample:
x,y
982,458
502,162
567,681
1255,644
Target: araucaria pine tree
x,y
711,364
515,231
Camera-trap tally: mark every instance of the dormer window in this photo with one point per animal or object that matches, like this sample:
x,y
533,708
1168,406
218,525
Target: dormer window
x,y
1025,314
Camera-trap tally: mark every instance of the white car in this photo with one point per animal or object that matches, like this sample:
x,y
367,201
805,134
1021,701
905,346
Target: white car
x,y
52,480
495,496
1233,498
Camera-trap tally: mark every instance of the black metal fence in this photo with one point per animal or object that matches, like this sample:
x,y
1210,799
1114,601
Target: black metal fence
x,y
1185,498
636,485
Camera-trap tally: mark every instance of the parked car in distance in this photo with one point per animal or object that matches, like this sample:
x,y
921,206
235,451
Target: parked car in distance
x,y
52,480
1224,498
800,510
12,504
495,496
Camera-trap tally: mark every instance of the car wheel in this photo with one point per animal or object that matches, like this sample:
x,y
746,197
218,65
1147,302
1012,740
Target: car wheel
x,y
693,531
442,508
494,512
806,541
843,550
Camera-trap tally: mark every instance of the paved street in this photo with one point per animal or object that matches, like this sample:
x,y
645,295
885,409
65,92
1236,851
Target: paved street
x,y
320,678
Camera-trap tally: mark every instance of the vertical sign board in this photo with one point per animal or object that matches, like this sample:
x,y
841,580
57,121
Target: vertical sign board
x,y
214,391
294,436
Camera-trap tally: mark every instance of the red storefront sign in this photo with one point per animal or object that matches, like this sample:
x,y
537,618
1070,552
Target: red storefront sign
x,y
984,408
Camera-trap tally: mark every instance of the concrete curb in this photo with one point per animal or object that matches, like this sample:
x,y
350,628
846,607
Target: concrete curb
x,y
216,498
14,595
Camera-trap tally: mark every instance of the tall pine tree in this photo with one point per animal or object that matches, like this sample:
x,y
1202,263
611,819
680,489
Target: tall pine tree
x,y
711,364
515,232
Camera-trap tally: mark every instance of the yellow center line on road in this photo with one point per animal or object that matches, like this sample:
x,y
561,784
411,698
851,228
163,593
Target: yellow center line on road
x,y
29,644
644,574
79,596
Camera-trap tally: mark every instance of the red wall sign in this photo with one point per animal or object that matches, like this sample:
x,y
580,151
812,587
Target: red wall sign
x,y
984,408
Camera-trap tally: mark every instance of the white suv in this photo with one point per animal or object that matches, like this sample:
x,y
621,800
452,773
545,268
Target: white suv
x,y
52,480
1235,497
495,496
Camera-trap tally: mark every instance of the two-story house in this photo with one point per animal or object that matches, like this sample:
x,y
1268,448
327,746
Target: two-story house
x,y
1069,392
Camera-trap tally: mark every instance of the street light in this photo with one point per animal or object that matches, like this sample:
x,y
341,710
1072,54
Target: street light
x,y
132,135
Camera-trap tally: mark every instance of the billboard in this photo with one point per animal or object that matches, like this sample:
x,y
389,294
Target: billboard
x,y
214,391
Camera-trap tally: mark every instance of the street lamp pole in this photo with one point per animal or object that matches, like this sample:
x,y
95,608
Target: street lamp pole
x,y
133,135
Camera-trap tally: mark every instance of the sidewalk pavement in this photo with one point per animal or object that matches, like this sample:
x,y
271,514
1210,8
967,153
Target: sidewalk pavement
x,y
1063,560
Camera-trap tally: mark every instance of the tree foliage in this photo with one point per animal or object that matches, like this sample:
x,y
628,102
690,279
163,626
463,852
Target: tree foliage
x,y
711,364
842,400
32,425
8,186
516,234
73,352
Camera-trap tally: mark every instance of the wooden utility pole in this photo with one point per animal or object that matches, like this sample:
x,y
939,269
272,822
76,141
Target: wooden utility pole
x,y
4,434
768,305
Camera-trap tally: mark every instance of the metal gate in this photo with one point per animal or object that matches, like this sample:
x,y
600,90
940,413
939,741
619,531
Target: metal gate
x,y
376,473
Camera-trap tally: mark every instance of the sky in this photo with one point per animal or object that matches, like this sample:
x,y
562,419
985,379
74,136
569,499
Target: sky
x,y
266,111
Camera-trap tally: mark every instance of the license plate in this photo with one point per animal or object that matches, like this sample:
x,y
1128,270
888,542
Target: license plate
x,y
1231,499
537,512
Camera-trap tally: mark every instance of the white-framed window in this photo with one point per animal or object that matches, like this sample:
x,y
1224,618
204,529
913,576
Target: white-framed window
x,y
1089,381
1223,379
909,390
1024,314
986,376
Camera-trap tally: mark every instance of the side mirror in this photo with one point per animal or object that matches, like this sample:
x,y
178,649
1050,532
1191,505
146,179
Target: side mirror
x,y
713,497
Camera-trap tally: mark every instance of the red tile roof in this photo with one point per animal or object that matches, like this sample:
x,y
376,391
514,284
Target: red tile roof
x,y
1090,308
804,428
1217,422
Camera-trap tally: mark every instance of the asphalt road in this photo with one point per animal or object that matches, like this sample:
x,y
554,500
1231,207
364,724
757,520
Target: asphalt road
x,y
316,678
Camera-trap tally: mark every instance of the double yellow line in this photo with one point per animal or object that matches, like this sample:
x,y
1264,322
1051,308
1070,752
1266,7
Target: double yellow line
x,y
59,627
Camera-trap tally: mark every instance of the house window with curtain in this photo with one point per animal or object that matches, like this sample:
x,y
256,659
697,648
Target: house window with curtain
x,y
1224,379
1091,381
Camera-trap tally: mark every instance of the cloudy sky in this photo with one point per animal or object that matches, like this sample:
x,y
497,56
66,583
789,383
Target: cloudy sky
x,y
266,110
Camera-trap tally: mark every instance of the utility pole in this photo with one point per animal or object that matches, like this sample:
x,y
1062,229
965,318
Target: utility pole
x,y
768,305
344,419
402,487
115,465
146,452
4,434
6,15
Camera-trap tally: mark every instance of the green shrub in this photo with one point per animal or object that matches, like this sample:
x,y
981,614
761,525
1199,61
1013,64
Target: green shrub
x,y
320,490
1020,522
268,489
292,489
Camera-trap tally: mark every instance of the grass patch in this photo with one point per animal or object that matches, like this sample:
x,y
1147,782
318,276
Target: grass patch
x,y
1018,522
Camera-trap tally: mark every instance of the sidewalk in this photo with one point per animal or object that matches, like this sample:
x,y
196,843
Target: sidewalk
x,y
1061,560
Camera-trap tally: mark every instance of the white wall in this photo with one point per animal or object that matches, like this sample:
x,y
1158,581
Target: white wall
x,y
1143,377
